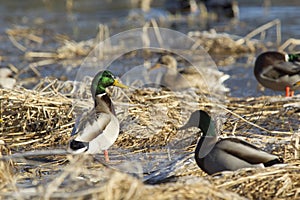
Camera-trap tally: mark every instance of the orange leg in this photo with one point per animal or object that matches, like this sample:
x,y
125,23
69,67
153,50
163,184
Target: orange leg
x,y
292,93
106,155
287,91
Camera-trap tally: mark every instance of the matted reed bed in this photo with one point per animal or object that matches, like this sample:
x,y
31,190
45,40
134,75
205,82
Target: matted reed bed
x,y
151,158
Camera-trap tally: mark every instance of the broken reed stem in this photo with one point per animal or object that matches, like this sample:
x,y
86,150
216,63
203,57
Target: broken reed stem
x,y
243,119
262,29
22,33
288,42
157,32
17,44
32,54
36,153
297,147
103,35
249,178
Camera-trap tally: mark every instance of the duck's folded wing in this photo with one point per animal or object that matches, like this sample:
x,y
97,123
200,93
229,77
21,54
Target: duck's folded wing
x,y
75,128
245,151
82,121
219,160
90,126
287,67
188,70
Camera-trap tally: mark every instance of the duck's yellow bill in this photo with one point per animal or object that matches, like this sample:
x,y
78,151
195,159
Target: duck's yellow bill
x,y
155,66
117,83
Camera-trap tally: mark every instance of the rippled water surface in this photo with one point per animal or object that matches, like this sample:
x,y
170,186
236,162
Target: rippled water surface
x,y
81,23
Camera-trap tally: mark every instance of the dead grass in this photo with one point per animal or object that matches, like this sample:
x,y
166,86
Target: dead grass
x,y
149,147
33,119
151,159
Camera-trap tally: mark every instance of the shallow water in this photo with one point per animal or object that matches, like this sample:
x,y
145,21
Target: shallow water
x,y
81,23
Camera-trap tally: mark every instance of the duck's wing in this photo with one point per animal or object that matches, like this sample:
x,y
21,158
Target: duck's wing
x,y
219,160
187,70
90,125
233,154
213,73
82,121
273,72
246,151
287,67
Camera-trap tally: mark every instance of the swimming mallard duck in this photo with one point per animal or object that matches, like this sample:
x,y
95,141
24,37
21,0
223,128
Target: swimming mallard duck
x,y
215,155
176,79
278,71
223,8
181,6
99,128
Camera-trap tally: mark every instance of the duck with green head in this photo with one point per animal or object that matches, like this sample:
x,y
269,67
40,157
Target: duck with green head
x,y
214,155
99,128
278,71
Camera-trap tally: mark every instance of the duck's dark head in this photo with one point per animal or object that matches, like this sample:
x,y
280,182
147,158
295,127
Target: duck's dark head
x,y
202,120
102,80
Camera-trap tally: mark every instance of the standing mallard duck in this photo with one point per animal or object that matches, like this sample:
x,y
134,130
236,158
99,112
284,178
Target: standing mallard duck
x,y
99,128
176,79
278,71
215,155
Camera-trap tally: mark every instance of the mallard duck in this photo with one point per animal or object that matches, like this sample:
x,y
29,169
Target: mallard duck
x,y
278,71
98,129
6,78
181,6
214,155
223,8
176,79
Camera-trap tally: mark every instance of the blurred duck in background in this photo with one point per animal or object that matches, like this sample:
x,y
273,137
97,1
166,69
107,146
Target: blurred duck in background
x,y
216,9
181,6
208,80
222,8
278,71
6,78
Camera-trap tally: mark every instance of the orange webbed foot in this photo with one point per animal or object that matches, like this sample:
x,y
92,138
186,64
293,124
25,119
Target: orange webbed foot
x,y
106,155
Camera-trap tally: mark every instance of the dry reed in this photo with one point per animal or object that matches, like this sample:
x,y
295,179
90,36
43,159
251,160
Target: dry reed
x,y
42,119
35,123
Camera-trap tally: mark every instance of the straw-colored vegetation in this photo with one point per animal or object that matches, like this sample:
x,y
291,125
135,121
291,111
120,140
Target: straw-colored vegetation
x,y
42,119
71,52
151,159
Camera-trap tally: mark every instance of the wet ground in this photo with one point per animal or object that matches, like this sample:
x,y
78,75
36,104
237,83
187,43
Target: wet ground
x,y
81,21
51,19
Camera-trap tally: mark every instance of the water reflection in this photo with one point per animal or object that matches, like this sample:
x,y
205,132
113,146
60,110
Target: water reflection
x,y
80,22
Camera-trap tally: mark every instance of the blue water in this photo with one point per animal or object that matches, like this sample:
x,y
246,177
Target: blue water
x,y
81,23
